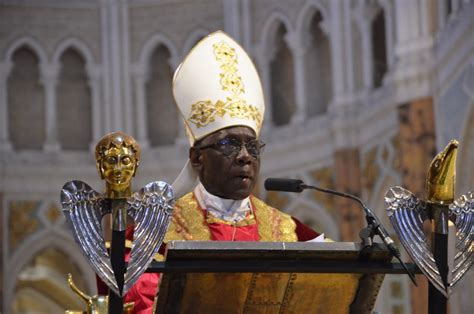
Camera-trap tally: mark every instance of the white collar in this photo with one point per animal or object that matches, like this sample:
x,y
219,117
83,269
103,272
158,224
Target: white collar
x,y
226,209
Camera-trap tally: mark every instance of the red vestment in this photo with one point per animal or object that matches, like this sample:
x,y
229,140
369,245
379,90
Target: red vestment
x,y
190,222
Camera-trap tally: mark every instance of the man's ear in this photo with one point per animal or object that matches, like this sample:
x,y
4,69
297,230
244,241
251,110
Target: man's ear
x,y
196,158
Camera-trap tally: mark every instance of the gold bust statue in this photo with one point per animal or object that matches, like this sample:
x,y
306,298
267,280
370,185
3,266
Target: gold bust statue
x,y
117,158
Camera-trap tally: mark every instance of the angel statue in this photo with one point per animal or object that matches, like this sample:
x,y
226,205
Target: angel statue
x,y
448,255
117,159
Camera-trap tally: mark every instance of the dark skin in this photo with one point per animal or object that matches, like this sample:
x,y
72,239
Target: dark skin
x,y
230,177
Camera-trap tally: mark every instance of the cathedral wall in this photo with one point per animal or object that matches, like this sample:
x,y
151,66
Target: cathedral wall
x,y
176,21
62,23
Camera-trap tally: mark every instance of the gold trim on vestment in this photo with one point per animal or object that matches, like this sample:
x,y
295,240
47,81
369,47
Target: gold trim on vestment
x,y
189,223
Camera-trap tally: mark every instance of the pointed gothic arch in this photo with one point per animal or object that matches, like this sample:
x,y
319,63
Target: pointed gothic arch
x,y
29,42
25,101
44,239
76,44
192,39
152,43
279,58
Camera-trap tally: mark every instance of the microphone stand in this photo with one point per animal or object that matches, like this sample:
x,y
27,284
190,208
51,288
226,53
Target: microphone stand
x,y
374,227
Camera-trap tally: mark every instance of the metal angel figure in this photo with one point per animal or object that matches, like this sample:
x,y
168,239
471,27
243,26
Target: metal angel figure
x,y
408,213
117,158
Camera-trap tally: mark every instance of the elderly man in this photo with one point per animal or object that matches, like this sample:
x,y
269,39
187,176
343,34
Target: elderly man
x,y
218,92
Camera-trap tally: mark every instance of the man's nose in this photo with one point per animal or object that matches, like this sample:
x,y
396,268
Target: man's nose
x,y
243,155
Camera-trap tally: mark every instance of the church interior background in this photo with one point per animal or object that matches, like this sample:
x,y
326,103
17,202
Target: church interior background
x,y
360,95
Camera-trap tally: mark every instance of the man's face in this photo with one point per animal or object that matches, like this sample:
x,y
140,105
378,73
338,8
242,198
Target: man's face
x,y
118,166
233,176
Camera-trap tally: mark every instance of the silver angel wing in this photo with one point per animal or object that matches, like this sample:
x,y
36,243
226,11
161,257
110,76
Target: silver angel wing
x,y
84,209
461,212
151,209
407,214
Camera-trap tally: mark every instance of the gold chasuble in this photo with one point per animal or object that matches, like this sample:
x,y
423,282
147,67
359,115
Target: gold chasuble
x,y
190,223
255,292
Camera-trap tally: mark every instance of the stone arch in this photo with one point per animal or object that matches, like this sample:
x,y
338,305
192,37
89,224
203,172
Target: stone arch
x,y
29,42
76,44
278,70
31,247
306,14
195,36
270,28
151,44
24,98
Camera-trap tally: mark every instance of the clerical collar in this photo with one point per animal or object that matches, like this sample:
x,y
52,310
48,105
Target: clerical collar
x,y
225,209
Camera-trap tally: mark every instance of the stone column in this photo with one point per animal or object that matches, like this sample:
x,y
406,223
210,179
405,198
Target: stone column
x,y
127,104
246,24
334,28
94,73
181,138
232,18
263,58
140,77
367,53
298,49
441,6
49,78
389,34
416,148
5,69
106,65
348,46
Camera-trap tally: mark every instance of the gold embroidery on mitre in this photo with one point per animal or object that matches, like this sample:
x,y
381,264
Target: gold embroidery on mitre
x,y
205,112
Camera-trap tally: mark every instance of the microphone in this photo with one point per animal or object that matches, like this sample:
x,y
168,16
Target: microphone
x,y
284,185
293,185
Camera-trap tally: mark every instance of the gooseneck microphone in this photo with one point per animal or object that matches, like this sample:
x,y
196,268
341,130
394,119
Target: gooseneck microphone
x,y
284,185
297,186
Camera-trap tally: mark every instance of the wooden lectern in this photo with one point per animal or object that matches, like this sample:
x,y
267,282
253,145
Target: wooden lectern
x,y
271,277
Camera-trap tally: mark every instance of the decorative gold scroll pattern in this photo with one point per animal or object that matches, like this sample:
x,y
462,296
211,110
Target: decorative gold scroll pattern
x,y
205,112
188,222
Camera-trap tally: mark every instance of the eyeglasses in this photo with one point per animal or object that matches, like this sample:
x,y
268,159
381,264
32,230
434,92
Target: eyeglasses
x,y
230,146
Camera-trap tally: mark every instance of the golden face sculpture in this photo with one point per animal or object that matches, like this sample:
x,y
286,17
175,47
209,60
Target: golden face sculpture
x,y
118,166
117,159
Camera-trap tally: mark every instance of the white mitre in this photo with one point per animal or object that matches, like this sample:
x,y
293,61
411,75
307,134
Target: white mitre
x,y
217,86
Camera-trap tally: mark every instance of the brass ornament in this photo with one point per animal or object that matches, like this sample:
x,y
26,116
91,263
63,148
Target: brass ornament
x,y
94,304
408,213
117,159
205,112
